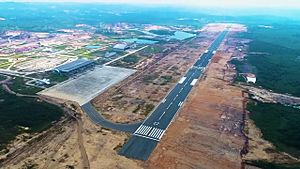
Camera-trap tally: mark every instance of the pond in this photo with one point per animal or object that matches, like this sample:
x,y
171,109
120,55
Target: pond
x,y
140,41
92,46
180,35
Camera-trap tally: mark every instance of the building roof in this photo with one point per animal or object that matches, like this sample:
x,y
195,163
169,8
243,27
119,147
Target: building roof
x,y
251,78
251,75
120,46
68,67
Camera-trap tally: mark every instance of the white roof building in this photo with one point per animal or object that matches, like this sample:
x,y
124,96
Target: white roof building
x,y
251,78
121,46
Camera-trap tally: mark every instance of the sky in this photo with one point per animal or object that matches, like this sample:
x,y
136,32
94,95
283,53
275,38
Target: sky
x,y
293,4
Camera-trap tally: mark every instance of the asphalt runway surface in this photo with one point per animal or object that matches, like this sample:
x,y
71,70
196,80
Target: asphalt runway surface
x,y
97,118
146,135
145,138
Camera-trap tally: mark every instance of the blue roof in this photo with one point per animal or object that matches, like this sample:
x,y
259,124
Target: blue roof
x,y
69,67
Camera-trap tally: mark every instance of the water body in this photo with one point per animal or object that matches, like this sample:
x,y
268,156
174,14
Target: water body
x,y
92,46
180,35
140,41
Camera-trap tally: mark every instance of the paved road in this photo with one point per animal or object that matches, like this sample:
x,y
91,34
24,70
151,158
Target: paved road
x,y
148,134
98,119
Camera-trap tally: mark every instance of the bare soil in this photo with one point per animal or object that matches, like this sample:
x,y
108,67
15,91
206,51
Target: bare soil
x,y
210,123
136,97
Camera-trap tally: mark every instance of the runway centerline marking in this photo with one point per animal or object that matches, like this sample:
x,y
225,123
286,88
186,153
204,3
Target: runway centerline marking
x,y
170,105
161,115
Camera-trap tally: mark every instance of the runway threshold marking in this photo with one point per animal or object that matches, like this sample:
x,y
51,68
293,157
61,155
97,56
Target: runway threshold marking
x,y
152,134
155,133
144,130
146,137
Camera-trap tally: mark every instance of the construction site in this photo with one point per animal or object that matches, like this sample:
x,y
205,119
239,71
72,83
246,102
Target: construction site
x,y
80,143
213,121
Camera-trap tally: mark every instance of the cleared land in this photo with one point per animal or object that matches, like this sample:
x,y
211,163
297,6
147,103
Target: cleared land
x,y
199,130
134,99
87,86
63,146
210,123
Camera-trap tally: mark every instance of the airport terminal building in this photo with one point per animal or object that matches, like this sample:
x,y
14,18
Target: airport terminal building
x,y
75,66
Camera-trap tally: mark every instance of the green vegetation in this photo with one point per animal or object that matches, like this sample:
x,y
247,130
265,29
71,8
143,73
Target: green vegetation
x,y
2,77
148,109
127,62
137,109
57,77
19,86
279,125
61,47
5,65
149,78
87,55
166,79
274,56
153,49
131,59
268,165
18,112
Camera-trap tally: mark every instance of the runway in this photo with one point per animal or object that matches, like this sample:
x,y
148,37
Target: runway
x,y
145,138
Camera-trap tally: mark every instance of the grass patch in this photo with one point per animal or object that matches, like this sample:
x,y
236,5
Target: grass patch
x,y
147,79
279,125
57,77
60,47
167,79
152,50
5,65
148,109
19,86
131,59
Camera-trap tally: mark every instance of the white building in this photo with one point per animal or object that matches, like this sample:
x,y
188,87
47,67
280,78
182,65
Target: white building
x,y
251,78
121,47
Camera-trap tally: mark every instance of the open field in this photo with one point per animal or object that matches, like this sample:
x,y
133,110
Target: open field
x,y
84,88
40,64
